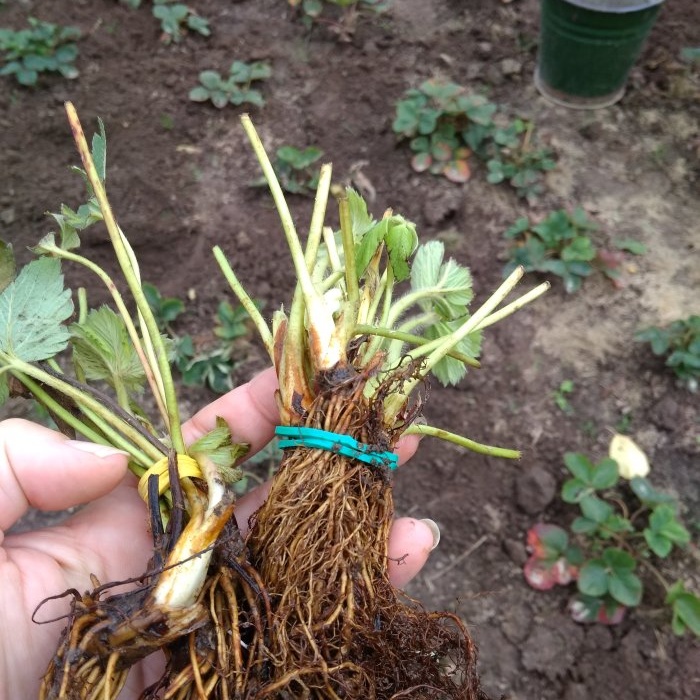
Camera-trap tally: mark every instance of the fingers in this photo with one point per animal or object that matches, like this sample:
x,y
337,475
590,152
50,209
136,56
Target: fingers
x,y
42,468
410,544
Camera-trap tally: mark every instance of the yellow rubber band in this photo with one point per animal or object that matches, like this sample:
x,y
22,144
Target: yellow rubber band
x,y
186,466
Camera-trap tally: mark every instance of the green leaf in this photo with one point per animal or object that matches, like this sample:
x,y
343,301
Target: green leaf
x,y
573,490
449,371
520,226
625,587
444,287
593,578
664,530
647,494
580,466
686,611
619,560
32,310
360,217
369,244
660,545
199,94
631,246
103,349
401,241
99,151
595,508
7,264
580,248
217,446
605,475
583,526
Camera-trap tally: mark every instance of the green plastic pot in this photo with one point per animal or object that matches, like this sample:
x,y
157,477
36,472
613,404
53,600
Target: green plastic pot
x,y
588,47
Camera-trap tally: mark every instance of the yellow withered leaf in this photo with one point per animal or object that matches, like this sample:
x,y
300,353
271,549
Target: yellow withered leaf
x,y
630,458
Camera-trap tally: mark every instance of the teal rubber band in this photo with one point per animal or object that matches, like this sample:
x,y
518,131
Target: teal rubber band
x,y
317,439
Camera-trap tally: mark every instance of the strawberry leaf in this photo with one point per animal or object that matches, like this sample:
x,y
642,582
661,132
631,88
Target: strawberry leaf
x,y
32,310
103,350
444,287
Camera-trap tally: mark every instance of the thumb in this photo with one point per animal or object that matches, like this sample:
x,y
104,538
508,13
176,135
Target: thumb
x,y
42,468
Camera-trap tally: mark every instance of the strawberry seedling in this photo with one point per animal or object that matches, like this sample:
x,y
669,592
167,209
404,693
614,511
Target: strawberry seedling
x,y
446,125
233,89
561,244
622,530
294,168
43,48
177,18
679,343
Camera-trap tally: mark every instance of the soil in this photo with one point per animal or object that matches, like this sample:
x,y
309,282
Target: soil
x,y
179,175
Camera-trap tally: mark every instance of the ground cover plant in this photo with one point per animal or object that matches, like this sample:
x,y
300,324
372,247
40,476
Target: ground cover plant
x,y
350,369
42,48
343,22
626,527
296,169
562,244
446,124
177,18
679,343
235,88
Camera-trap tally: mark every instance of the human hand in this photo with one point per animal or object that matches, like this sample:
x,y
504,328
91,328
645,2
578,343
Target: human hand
x,y
109,537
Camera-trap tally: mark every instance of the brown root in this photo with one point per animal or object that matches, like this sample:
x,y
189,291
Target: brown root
x,y
306,611
340,629
105,638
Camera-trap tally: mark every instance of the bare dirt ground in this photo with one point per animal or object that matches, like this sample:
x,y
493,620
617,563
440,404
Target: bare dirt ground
x,y
179,174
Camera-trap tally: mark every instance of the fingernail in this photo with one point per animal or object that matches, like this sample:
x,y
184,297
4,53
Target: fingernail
x,y
95,449
434,529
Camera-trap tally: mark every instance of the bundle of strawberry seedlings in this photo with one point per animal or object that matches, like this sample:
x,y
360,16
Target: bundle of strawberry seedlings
x,y
303,608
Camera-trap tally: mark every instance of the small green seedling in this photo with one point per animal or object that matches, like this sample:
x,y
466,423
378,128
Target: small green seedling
x,y
561,244
294,169
211,369
176,19
514,160
622,527
165,309
214,366
312,10
560,396
233,89
679,343
43,48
